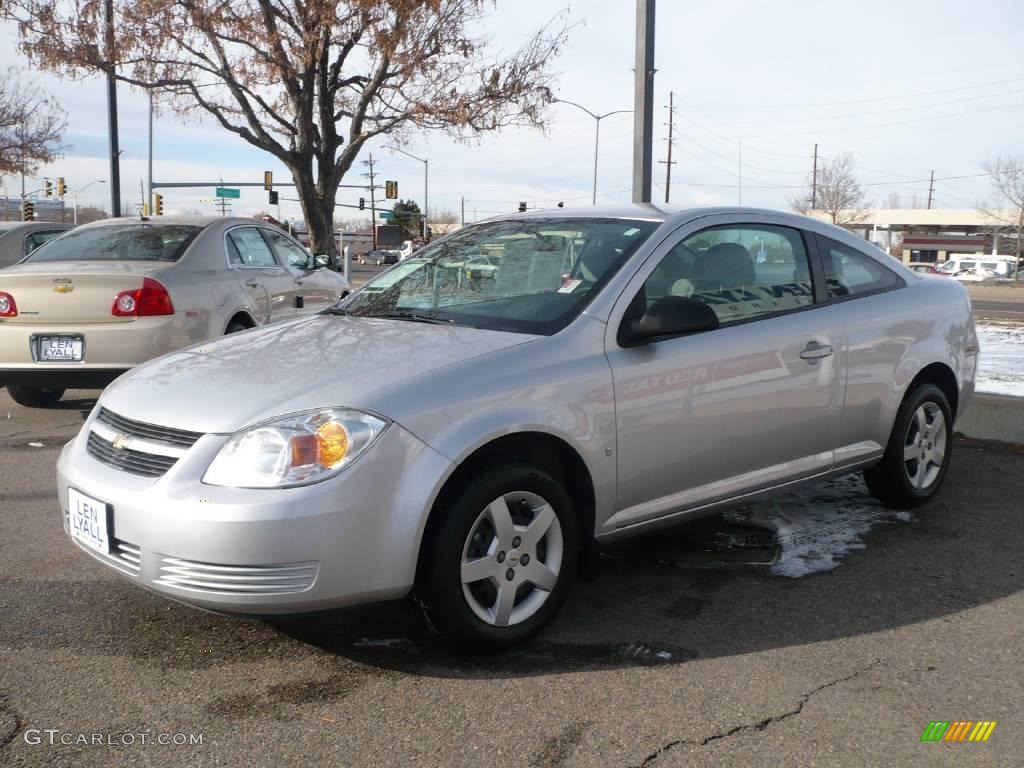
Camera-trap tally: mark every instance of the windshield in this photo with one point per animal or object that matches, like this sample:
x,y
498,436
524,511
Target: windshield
x,y
525,276
119,242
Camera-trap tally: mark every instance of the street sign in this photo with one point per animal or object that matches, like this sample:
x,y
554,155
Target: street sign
x,y
386,215
226,192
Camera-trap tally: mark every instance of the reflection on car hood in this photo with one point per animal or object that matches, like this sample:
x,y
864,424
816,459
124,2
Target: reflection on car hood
x,y
225,384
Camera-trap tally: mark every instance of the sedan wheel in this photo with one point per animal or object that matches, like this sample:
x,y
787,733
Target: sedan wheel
x,y
511,558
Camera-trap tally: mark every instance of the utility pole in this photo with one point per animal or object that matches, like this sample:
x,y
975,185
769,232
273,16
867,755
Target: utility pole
x,y
373,199
814,180
115,152
149,161
463,210
931,190
670,162
643,102
740,160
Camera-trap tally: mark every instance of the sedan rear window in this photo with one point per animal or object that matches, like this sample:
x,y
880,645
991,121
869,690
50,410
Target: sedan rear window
x,y
120,242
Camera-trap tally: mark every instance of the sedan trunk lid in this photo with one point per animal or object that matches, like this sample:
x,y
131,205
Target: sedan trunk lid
x,y
57,293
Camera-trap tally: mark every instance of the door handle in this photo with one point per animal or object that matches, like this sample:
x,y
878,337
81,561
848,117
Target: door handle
x,y
252,282
298,280
816,351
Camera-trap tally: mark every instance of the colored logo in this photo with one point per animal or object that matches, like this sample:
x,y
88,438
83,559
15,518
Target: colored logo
x,y
958,730
63,288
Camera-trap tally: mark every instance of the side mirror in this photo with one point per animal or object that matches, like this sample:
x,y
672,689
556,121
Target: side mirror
x,y
320,260
669,316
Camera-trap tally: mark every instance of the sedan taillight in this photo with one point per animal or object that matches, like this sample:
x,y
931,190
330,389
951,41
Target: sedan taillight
x,y
151,299
7,306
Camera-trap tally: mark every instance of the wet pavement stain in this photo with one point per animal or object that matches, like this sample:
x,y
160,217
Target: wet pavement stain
x,y
558,749
277,700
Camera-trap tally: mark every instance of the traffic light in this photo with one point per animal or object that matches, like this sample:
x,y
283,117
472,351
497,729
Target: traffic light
x,y
522,207
48,186
391,190
273,197
61,186
268,180
362,203
158,204
28,210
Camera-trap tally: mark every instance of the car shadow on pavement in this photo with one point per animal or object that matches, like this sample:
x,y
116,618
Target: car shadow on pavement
x,y
663,599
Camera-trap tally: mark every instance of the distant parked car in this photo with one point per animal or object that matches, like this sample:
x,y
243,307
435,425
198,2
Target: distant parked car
x,y
921,266
425,437
383,257
19,238
109,295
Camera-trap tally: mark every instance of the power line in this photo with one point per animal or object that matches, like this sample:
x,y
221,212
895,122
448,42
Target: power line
x,y
810,105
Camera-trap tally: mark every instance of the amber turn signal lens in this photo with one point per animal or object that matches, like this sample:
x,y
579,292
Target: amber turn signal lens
x,y
331,444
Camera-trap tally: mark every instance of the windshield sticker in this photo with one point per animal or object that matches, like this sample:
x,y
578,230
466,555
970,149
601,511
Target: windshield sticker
x,y
568,286
630,232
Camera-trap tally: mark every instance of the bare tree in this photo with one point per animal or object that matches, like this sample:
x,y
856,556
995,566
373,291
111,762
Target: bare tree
x,y
309,81
835,191
1007,207
443,221
31,125
892,201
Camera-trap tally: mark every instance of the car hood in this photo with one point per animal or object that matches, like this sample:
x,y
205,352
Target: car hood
x,y
322,361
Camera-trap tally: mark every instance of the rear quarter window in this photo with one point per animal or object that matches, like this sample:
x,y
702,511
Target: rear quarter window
x,y
851,274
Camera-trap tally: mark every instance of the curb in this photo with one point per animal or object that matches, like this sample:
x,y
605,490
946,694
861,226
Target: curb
x,y
993,417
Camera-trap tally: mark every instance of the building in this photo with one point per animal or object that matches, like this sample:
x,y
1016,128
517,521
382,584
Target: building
x,y
930,234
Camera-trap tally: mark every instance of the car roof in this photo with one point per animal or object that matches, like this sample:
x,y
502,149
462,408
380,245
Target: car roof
x,y
656,212
201,221
7,226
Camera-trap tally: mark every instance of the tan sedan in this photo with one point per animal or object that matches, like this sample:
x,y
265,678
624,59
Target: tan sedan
x,y
106,296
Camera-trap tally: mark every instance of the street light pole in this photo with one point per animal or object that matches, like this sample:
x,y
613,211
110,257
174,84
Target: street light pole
x,y
597,134
82,189
426,183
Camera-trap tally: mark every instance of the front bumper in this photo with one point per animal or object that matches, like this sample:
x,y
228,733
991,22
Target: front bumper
x,y
348,540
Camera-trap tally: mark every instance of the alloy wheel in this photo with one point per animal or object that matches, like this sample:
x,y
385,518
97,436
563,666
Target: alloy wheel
x,y
512,558
924,450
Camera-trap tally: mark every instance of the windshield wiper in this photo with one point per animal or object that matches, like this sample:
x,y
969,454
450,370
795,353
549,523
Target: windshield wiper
x,y
336,311
412,317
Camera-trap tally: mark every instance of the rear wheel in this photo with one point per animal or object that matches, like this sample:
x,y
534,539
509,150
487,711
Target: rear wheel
x,y
919,450
235,326
34,397
499,566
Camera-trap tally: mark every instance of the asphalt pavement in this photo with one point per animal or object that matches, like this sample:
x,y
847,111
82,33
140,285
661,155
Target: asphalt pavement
x,y
673,654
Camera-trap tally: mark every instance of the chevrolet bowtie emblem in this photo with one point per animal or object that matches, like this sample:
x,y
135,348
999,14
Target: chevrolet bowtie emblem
x,y
63,288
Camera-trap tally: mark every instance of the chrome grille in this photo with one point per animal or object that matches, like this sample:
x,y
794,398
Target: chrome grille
x,y
237,579
179,437
136,462
142,449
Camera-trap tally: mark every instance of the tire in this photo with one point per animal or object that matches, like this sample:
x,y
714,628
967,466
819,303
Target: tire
x,y
235,326
917,456
34,397
493,612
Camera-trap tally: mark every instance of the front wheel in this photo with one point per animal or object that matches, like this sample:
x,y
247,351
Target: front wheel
x,y
34,397
498,567
919,450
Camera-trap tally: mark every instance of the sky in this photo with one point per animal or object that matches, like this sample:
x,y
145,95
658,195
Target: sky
x,y
907,87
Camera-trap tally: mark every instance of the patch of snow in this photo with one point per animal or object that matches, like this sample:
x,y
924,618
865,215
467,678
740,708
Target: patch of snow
x,y
1001,360
36,445
817,525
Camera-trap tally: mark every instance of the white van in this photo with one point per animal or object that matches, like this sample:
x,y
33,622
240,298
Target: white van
x,y
999,265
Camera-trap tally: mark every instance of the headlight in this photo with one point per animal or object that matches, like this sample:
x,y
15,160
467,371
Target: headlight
x,y
299,449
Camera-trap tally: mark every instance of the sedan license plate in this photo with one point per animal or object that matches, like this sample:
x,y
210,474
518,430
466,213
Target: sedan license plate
x,y
88,519
59,349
